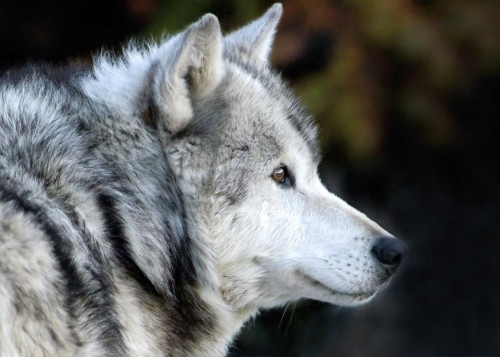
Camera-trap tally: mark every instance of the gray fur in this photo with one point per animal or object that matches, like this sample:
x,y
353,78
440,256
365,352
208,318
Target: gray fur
x,y
131,193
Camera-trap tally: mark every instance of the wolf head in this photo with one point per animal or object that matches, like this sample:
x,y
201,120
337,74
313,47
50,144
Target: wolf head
x,y
244,152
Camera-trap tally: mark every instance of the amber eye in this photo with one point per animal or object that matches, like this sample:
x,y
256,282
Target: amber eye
x,y
279,174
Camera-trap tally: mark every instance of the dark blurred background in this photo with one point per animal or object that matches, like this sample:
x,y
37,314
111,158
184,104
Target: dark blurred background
x,y
406,94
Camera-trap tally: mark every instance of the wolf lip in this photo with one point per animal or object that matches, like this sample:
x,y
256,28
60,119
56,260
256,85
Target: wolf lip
x,y
316,283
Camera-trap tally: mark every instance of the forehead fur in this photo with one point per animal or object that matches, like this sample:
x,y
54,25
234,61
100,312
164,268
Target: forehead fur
x,y
277,92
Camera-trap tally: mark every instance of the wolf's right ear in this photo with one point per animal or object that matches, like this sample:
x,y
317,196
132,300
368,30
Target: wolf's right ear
x,y
189,67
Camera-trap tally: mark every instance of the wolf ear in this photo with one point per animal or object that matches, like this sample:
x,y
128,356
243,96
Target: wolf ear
x,y
189,67
255,40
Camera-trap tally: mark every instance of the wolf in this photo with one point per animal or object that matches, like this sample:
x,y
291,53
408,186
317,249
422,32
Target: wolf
x,y
153,202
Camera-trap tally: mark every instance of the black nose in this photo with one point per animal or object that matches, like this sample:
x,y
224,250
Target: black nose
x,y
389,251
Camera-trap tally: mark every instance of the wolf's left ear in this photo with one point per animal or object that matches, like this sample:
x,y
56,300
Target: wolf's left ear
x,y
255,40
190,68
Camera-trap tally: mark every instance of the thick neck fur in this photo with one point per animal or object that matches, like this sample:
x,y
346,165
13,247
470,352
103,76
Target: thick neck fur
x,y
226,319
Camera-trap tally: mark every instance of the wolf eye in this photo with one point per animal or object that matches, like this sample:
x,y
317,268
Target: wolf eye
x,y
281,176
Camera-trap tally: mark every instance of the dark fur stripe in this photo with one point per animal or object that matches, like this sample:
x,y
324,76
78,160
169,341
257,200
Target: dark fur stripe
x,y
97,301
190,315
121,247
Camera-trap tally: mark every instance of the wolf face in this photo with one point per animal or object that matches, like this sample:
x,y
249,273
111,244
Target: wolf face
x,y
249,159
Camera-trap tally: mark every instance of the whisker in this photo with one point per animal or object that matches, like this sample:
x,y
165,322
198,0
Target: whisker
x,y
291,317
283,315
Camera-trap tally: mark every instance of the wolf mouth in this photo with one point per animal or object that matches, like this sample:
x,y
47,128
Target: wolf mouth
x,y
316,283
